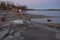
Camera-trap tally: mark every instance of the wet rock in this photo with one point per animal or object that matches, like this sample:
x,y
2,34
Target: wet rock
x,y
49,20
57,27
4,33
38,34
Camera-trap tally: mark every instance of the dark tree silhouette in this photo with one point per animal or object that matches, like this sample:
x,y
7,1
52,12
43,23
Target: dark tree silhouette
x,y
8,6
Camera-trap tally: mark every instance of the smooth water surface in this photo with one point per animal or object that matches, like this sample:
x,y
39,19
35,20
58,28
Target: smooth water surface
x,y
47,13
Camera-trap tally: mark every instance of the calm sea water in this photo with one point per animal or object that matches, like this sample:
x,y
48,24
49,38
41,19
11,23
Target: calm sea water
x,y
47,13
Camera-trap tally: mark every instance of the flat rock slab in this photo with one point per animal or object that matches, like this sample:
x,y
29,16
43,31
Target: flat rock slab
x,y
38,34
4,33
12,38
58,34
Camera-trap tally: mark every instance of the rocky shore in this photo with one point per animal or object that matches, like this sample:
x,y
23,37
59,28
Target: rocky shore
x,y
29,31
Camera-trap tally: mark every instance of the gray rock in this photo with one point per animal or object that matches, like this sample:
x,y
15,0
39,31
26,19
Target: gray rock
x,y
12,38
8,38
11,32
18,34
38,34
3,33
6,24
57,34
15,37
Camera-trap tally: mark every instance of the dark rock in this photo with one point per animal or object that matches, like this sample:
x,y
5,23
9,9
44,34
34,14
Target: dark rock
x,y
58,27
48,20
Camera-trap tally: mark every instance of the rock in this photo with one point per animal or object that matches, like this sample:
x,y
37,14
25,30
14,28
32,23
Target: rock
x,y
8,38
57,34
49,20
2,28
38,34
11,32
11,38
18,34
4,33
6,24
18,21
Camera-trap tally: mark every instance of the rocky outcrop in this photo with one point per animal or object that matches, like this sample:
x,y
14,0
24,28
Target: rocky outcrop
x,y
38,34
27,33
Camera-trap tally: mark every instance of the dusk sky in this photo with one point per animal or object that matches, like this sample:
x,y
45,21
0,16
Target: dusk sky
x,y
38,4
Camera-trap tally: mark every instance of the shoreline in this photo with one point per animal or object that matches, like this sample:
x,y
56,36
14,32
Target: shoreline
x,y
39,16
32,16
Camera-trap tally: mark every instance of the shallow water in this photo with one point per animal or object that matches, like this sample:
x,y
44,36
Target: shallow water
x,y
44,20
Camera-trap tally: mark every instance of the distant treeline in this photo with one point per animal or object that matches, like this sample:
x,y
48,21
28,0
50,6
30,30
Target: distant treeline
x,y
54,9
9,6
43,9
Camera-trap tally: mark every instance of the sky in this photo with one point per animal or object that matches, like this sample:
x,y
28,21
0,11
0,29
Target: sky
x,y
38,4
